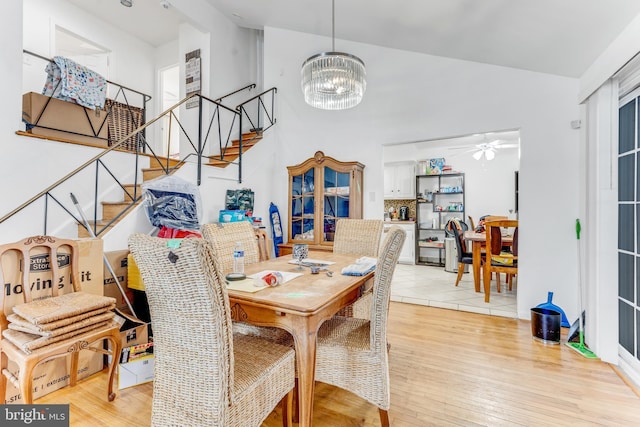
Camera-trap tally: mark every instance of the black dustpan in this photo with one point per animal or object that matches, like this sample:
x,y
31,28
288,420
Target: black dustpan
x,y
550,306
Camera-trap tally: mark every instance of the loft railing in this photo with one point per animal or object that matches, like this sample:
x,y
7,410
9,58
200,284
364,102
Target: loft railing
x,y
116,171
125,111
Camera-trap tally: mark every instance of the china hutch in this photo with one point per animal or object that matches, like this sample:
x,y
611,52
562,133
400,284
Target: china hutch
x,y
321,191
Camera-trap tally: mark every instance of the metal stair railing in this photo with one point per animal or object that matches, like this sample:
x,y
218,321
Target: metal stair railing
x,y
212,115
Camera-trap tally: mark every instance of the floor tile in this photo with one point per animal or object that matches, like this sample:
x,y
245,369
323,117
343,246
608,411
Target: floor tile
x,y
433,286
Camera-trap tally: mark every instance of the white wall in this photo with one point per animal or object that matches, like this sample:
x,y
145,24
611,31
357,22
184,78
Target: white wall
x,y
417,97
43,15
33,164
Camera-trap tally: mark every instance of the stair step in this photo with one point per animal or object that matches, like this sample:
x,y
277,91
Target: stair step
x,y
111,210
160,162
219,163
134,190
247,141
234,151
83,233
151,173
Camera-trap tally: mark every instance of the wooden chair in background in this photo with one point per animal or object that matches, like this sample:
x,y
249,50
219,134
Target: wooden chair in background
x,y
263,244
472,222
497,261
16,269
239,379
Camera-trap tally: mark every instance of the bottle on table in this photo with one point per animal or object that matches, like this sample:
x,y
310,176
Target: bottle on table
x,y
238,259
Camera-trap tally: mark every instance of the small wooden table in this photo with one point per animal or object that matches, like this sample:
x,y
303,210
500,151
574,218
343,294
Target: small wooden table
x,y
478,242
299,306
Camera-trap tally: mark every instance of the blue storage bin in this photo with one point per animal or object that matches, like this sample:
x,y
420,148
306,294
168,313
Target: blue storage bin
x,y
232,216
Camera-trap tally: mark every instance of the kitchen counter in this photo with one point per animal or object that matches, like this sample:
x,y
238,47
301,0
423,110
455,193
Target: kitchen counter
x,y
407,254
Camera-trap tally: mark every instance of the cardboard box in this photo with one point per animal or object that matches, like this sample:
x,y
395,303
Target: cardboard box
x,y
134,279
118,260
137,372
90,267
64,118
133,331
53,374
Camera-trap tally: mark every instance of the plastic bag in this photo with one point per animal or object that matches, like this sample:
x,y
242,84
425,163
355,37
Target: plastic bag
x,y
172,202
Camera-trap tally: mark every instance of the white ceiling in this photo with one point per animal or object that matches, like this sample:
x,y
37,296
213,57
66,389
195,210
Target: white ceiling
x,y
560,37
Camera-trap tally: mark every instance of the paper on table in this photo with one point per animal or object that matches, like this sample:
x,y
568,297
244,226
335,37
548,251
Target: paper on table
x,y
308,262
286,275
245,285
249,284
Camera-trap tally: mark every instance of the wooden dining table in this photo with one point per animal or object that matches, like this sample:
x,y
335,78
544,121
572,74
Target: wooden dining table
x,y
478,241
299,306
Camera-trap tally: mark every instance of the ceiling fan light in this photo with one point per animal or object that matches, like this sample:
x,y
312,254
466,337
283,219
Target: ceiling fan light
x,y
490,154
477,155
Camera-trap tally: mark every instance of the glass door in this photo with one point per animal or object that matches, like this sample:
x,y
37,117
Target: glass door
x,y
336,200
302,205
628,234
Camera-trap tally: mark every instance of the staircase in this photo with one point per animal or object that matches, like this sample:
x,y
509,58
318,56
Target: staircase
x,y
110,166
232,153
112,210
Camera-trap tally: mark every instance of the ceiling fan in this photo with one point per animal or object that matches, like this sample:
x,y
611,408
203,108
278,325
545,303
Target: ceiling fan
x,y
487,149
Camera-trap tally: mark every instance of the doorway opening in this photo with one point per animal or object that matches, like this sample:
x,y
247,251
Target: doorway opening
x,y
169,79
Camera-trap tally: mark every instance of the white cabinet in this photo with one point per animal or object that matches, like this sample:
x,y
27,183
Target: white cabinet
x,y
407,254
400,180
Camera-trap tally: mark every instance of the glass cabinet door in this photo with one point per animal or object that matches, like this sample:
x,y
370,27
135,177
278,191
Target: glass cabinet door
x,y
336,200
302,205
321,190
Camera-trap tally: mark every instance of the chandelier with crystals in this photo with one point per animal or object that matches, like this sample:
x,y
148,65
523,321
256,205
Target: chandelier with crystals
x,y
333,80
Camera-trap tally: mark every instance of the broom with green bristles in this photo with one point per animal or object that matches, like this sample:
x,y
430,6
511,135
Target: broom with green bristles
x,y
580,347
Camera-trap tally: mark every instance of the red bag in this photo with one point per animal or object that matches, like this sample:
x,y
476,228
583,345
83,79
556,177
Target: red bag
x,y
173,233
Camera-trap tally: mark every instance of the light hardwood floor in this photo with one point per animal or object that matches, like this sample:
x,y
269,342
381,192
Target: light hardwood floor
x,y
448,368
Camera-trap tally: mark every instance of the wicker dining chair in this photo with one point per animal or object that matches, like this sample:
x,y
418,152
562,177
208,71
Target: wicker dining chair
x,y
223,236
358,237
205,375
352,353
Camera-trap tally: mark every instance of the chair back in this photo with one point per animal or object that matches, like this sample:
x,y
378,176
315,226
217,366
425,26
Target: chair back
x,y
263,244
460,243
193,342
385,267
27,273
358,236
223,237
472,222
494,234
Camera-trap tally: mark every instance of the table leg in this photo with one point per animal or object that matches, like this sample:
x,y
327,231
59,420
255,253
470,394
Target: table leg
x,y
476,251
304,335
